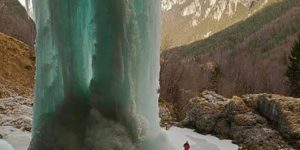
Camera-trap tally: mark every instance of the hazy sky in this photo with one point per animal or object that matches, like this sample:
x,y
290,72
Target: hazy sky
x,y
30,13
23,2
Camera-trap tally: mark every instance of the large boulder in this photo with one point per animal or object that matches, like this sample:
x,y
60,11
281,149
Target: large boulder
x,y
205,112
260,122
282,112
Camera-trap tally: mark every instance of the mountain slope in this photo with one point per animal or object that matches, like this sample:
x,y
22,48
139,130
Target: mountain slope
x,y
248,57
16,67
186,21
15,22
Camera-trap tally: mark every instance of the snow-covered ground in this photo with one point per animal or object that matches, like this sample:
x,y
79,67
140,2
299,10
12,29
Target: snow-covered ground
x,y
14,139
178,136
4,145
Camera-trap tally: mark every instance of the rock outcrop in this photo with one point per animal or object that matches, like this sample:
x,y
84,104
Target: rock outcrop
x,y
16,112
254,122
15,22
282,112
166,114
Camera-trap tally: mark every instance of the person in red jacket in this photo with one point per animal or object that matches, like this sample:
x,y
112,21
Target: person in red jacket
x,y
186,145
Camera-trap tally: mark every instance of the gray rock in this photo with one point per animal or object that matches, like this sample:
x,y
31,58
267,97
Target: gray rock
x,y
260,122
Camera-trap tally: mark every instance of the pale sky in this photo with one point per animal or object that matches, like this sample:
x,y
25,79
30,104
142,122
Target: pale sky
x,y
30,13
23,2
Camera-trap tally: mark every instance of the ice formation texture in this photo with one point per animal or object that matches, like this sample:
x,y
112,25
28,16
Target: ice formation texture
x,y
97,75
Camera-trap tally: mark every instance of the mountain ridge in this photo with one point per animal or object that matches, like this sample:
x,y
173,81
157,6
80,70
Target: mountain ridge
x,y
186,21
248,57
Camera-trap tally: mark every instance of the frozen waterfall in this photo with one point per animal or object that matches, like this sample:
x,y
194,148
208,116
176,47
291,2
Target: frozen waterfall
x,y
97,75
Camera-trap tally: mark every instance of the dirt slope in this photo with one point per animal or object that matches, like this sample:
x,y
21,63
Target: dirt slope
x,y
16,67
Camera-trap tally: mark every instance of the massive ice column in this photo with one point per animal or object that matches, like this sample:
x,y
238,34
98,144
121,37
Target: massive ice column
x,y
97,75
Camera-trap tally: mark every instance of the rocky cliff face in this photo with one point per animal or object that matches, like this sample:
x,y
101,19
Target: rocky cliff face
x,y
212,8
283,112
259,121
185,21
15,22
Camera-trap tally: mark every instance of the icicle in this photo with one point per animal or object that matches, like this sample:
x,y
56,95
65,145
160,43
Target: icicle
x,y
97,75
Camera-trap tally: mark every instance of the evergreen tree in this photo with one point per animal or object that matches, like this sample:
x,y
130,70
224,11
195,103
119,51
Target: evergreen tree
x,y
293,71
214,78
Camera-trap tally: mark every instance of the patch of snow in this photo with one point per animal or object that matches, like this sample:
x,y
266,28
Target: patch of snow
x,y
4,145
14,139
213,9
178,136
195,22
167,5
17,139
207,34
193,8
207,12
212,2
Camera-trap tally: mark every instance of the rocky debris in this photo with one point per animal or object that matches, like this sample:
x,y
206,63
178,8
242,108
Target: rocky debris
x,y
259,138
254,122
16,112
212,96
166,114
